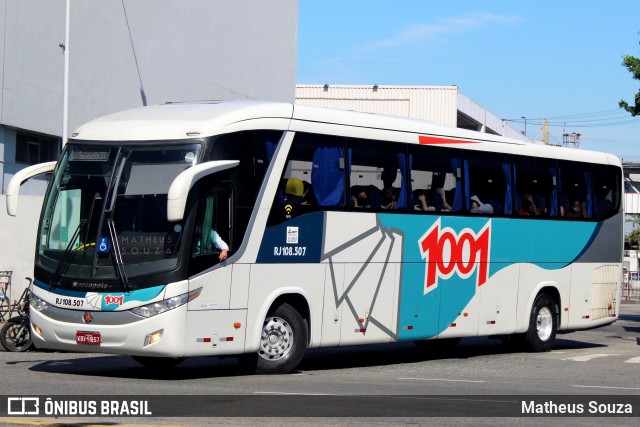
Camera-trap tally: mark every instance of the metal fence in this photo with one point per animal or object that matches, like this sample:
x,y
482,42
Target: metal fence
x,y
630,293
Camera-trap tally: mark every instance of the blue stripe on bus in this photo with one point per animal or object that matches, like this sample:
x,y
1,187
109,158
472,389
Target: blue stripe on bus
x,y
548,244
142,295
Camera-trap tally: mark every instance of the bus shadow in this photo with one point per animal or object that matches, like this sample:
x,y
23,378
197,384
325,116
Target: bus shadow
x,y
347,357
629,317
112,366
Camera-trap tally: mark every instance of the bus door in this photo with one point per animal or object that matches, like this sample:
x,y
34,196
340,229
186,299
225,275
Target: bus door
x,y
212,235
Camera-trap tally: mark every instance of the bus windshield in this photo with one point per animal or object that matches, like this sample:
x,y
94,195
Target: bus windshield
x,y
105,213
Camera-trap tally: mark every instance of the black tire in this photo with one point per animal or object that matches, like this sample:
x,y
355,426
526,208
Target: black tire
x,y
16,335
158,362
283,342
543,325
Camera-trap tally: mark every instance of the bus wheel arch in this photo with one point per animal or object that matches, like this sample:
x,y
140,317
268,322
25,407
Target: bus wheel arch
x,y
284,337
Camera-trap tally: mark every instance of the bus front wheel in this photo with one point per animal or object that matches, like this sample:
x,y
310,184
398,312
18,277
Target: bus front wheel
x,y
543,325
283,341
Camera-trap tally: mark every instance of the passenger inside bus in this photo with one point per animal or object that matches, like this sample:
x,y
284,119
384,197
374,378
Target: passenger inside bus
x,y
219,244
478,207
294,191
389,192
366,197
577,210
528,206
423,202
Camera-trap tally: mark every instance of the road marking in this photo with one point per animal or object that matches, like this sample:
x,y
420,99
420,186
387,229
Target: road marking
x,y
292,394
588,357
605,387
442,379
633,360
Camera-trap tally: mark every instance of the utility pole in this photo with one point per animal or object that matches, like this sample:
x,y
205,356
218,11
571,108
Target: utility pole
x,y
65,86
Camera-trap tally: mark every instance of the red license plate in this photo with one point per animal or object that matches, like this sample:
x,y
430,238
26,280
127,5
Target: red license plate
x,y
88,337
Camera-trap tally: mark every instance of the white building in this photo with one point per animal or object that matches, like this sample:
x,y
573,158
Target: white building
x,y
124,54
444,105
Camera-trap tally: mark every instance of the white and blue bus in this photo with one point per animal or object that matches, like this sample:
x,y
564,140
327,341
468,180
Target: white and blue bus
x,y
340,228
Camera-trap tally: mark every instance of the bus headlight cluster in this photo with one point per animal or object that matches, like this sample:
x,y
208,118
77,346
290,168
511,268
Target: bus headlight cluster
x,y
37,303
165,305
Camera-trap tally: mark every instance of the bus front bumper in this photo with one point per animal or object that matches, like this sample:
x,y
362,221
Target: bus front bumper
x,y
113,332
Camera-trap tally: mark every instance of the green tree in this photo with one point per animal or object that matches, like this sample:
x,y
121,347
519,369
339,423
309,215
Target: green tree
x,y
633,238
633,65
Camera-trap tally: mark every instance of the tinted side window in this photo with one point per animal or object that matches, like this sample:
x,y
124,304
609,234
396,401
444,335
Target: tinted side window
x,y
487,178
535,194
435,179
379,177
254,150
574,190
314,177
606,190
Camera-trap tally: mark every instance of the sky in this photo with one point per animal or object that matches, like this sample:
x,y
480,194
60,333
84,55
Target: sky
x,y
560,60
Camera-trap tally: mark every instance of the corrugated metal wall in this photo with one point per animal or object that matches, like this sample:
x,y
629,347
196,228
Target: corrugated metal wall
x,y
434,103
632,203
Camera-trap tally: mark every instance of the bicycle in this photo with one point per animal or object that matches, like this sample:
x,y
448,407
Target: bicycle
x,y
15,335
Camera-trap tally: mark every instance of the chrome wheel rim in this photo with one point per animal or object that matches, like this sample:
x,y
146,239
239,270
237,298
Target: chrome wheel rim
x,y
544,323
276,340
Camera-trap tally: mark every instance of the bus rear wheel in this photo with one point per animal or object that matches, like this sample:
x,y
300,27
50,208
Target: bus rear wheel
x,y
283,342
543,325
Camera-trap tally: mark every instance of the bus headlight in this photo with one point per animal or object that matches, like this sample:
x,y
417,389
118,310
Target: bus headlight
x,y
37,303
158,307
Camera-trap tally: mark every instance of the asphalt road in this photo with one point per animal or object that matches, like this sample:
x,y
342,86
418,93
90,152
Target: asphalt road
x,y
603,363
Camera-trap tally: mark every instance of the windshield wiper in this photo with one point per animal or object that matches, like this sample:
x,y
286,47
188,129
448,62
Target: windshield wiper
x,y
117,255
69,253
67,256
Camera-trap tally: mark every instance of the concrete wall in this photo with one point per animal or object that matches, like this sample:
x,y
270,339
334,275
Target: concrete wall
x,y
18,240
434,103
184,50
149,51
438,104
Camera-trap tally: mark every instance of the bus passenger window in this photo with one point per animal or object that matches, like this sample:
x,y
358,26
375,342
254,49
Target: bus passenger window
x,y
575,197
378,175
606,190
313,178
435,180
535,189
488,177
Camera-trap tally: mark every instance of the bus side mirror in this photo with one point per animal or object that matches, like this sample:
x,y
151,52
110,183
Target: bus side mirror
x,y
179,189
13,189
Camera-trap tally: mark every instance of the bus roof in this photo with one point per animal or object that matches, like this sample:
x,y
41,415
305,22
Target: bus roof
x,y
175,121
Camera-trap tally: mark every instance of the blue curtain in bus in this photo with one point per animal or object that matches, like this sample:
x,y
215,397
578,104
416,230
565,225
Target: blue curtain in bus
x,y
467,202
509,191
327,175
457,195
405,184
589,199
270,149
554,193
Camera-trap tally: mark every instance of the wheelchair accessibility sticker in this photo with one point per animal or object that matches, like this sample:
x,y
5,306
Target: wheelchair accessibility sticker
x,y
104,245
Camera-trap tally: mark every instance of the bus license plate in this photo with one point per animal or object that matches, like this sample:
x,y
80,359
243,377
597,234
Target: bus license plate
x,y
88,337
